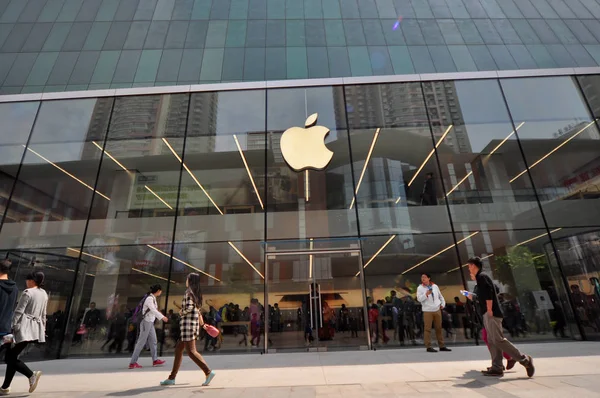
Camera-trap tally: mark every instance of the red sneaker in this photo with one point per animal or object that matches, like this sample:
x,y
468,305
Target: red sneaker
x,y
158,362
134,366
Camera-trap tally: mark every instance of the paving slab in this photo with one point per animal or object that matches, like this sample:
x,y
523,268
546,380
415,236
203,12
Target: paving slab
x,y
562,369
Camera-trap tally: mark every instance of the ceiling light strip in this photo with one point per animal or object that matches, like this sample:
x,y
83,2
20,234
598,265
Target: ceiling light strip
x,y
159,198
460,182
507,137
306,186
464,265
153,275
248,170
245,259
67,173
536,237
88,254
310,261
362,174
430,154
183,262
377,253
192,175
554,150
112,158
440,252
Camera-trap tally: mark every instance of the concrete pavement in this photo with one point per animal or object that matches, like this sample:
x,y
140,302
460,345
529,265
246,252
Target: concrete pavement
x,y
562,369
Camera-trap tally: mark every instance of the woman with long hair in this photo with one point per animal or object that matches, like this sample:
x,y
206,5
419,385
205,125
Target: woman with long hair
x,y
29,326
190,323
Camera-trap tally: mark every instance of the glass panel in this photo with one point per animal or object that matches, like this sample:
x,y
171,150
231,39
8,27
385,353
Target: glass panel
x,y
36,38
53,193
320,208
315,301
58,266
578,255
560,141
394,265
223,183
392,158
522,265
115,40
230,286
17,120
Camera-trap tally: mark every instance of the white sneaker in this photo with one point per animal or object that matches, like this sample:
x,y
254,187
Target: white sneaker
x,y
4,391
34,380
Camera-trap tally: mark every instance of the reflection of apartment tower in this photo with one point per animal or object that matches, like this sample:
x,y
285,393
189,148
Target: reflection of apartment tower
x,y
591,90
444,109
383,105
97,128
203,123
136,123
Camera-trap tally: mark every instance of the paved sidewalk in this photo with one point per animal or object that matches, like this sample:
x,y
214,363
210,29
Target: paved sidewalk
x,y
562,369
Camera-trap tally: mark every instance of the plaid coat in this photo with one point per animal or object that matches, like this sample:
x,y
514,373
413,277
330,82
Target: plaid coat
x,y
189,322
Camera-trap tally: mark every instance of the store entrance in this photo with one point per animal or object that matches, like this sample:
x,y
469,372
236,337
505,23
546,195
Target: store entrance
x,y
315,301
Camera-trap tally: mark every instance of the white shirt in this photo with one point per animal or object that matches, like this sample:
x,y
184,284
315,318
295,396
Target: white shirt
x,y
150,309
434,301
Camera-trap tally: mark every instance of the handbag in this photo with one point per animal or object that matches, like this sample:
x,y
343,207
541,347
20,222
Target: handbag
x,y
210,329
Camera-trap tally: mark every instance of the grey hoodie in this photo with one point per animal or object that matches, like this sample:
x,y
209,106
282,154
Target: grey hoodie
x,y
8,300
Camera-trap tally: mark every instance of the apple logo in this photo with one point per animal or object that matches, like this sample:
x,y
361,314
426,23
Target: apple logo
x,y
304,148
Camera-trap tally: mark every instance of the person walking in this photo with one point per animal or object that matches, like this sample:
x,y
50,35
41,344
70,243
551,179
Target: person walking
x,y
432,303
147,331
510,363
29,326
190,323
8,300
489,306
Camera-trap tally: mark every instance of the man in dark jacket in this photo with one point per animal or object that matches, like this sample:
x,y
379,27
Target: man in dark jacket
x,y
492,322
8,300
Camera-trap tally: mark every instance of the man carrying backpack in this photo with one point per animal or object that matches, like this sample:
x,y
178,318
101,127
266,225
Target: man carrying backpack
x,y
147,311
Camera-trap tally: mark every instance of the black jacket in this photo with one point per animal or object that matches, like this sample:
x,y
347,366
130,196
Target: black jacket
x,y
8,301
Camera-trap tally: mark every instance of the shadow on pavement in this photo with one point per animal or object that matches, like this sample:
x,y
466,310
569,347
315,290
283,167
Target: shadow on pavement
x,y
405,357
144,390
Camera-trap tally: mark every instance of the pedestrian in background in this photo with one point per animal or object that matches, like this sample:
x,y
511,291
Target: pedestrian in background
x,y
8,300
29,326
190,323
147,332
492,323
432,302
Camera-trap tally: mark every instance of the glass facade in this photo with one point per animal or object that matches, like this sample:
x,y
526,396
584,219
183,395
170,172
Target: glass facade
x,y
110,195
68,45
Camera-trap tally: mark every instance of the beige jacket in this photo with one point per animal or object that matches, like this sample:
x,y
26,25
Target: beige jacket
x,y
29,321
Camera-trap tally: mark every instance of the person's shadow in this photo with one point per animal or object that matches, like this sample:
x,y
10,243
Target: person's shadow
x,y
475,380
143,390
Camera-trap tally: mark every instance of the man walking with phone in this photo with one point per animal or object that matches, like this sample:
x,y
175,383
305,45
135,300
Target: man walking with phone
x,y
432,303
492,322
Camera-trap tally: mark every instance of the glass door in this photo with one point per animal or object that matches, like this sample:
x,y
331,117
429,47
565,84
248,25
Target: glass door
x,y
315,301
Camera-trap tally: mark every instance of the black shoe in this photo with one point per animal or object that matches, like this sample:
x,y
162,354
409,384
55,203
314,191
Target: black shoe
x,y
528,364
445,349
492,372
431,350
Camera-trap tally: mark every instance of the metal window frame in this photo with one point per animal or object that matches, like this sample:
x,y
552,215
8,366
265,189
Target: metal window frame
x,y
261,85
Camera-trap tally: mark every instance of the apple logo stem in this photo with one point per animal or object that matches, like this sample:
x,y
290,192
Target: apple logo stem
x,y
304,148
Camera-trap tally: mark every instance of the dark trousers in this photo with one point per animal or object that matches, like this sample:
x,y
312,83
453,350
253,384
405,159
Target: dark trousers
x,y
14,364
190,347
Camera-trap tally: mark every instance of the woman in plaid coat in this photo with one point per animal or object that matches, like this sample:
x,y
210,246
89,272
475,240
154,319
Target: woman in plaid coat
x,y
190,323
